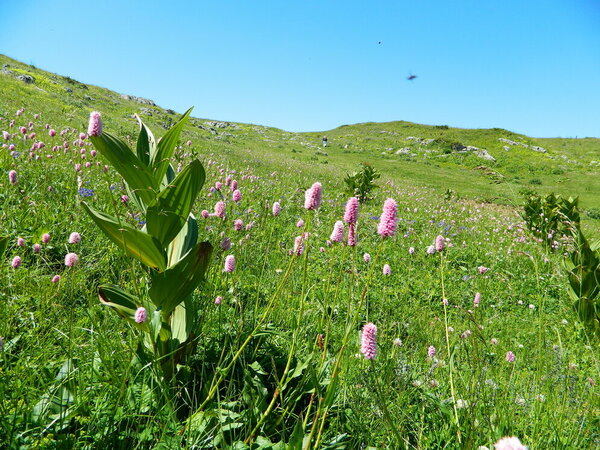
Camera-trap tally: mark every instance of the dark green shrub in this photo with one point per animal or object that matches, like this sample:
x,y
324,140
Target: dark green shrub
x,y
361,183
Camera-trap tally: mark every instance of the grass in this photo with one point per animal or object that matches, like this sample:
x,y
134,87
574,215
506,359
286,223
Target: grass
x,y
277,362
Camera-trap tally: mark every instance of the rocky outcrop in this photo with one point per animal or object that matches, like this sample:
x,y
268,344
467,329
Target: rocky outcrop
x,y
143,101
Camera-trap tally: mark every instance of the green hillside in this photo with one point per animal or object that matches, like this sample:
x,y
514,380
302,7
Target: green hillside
x,y
492,165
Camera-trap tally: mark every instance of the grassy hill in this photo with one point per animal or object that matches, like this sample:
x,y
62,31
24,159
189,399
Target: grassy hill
x,y
437,157
476,336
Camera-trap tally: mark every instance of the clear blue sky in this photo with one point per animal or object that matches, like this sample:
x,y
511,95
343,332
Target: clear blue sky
x,y
529,66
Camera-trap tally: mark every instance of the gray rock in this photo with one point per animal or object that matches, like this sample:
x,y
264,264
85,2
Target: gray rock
x,y
170,111
403,151
5,71
427,141
506,147
68,90
535,148
214,124
481,153
146,111
28,79
143,101
88,98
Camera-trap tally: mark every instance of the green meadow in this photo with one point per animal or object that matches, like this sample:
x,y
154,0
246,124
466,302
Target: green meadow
x,y
273,356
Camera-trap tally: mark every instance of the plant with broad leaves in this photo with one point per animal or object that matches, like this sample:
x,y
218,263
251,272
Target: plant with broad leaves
x,y
167,245
361,183
551,216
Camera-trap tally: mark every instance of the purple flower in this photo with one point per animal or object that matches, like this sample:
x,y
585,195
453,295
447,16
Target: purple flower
x,y
141,315
220,209
388,220
56,278
352,234
368,342
95,125
36,248
74,238
16,262
510,357
238,224
300,223
45,238
237,195
226,244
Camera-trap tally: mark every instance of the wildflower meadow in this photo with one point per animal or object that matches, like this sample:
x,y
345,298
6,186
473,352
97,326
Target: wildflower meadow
x,y
160,288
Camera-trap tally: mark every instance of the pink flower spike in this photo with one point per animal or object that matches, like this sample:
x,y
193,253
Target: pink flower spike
x,y
237,195
510,357
220,209
411,251
439,243
36,248
74,238
12,177
141,315
352,234
368,342
20,242
218,300
367,257
229,264
388,220
387,270
45,238
95,125
509,443
300,223
312,197
351,213
431,352
299,245
276,208
71,259
56,278
16,262
477,300
337,235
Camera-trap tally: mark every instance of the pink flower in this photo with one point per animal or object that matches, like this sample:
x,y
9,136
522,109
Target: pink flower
x,y
16,262
233,185
509,443
299,245
477,299
220,209
227,180
312,196
226,244
124,198
300,223
141,315
189,143
431,352
237,195
352,234
494,341
20,242
74,238
45,238
431,250
218,185
351,213
52,132
229,264
367,257
276,208
36,248
439,243
12,176
482,269
218,300
238,224
95,125
5,135
204,213
56,278
388,220
368,342
71,259
387,270
510,357
411,251
337,235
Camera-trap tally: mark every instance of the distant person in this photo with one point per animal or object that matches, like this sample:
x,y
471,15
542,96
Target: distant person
x,y
324,141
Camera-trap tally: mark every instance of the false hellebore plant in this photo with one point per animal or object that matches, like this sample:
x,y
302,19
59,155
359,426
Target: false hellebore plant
x,y
167,244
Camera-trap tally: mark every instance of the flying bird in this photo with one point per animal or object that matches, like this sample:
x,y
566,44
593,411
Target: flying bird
x,y
411,77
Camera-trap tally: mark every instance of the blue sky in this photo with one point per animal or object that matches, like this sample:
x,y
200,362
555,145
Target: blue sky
x,y
528,66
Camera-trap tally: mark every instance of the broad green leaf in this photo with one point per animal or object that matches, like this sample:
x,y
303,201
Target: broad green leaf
x,y
146,145
182,320
135,243
166,147
3,245
135,173
183,242
171,287
169,212
155,321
